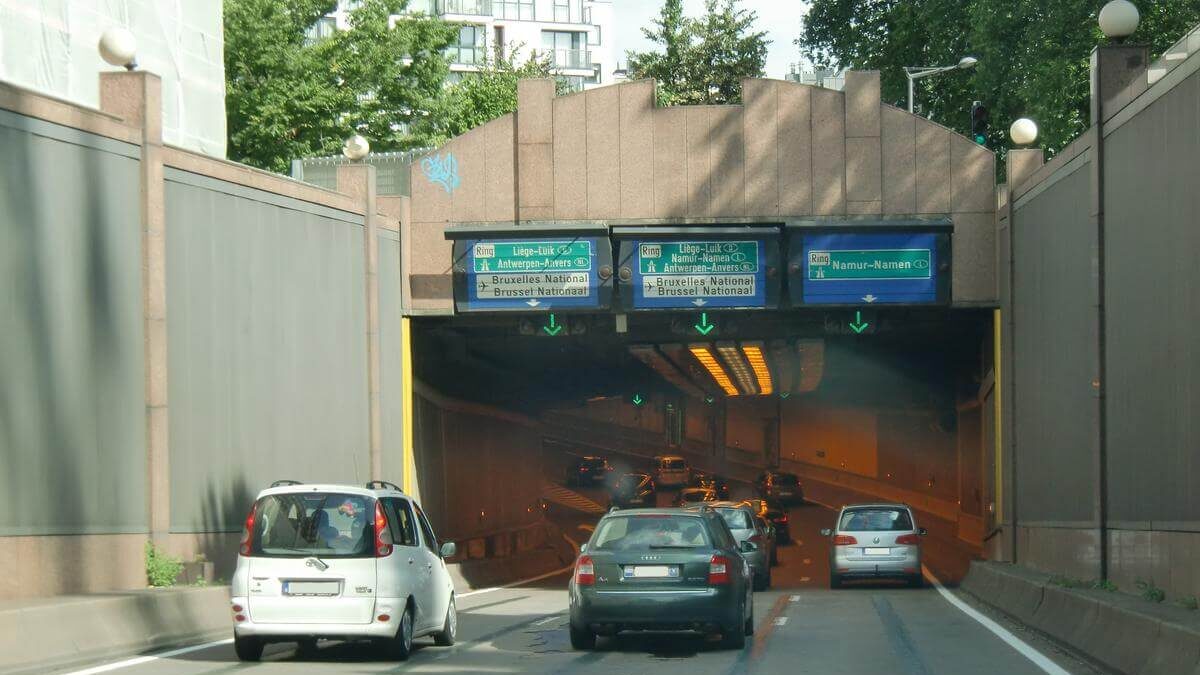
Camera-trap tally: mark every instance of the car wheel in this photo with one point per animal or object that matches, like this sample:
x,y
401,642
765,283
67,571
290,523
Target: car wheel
x,y
445,637
401,645
835,581
248,648
761,581
916,581
306,647
749,627
582,638
774,555
734,638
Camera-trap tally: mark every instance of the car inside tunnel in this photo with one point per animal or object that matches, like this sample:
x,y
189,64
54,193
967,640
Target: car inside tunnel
x,y
893,412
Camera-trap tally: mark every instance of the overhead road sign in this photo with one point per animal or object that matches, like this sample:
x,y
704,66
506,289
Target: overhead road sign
x,y
880,263
528,269
697,267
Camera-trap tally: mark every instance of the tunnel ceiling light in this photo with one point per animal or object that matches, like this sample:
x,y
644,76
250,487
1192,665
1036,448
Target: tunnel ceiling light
x,y
737,365
758,364
704,355
650,356
680,356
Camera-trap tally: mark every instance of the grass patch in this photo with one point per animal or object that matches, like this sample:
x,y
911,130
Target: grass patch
x,y
1150,592
161,569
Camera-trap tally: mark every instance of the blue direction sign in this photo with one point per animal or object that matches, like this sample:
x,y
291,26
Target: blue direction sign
x,y
697,274
530,275
872,268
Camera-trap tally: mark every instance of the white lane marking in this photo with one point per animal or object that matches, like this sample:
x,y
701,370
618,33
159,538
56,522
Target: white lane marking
x,y
808,561
129,663
804,579
795,598
522,582
587,528
1022,647
547,620
780,620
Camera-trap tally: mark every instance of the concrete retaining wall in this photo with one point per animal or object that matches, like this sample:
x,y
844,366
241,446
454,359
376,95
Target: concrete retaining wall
x,y
1119,631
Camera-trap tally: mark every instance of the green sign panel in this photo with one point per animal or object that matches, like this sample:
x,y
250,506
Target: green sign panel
x,y
538,256
698,257
909,263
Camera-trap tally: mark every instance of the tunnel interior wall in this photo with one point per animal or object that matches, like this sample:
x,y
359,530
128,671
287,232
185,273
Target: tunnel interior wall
x,y
1147,182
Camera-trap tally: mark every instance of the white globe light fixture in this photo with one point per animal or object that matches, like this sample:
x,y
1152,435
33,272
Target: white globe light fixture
x,y
967,62
118,47
1024,131
355,148
1119,19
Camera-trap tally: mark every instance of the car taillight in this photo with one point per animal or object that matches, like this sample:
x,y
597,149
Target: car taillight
x,y
757,538
383,536
781,519
908,540
585,571
248,531
718,570
844,540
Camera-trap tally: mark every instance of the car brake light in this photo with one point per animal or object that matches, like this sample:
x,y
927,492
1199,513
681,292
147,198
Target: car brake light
x,y
585,571
908,540
781,519
248,531
756,538
844,540
718,570
383,536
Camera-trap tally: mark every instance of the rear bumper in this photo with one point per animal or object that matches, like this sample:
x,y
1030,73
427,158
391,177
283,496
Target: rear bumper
x,y
284,632
662,610
796,497
892,567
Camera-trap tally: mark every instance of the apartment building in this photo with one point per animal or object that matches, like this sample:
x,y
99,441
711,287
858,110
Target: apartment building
x,y
578,36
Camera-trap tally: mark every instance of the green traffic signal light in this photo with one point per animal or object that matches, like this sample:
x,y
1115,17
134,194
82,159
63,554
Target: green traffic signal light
x,y
981,139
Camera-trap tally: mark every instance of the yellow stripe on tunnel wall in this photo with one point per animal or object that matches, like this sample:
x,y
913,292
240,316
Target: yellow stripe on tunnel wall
x,y
406,375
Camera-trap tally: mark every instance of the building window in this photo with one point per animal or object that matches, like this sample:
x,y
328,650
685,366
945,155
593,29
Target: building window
x,y
594,36
323,29
469,50
521,10
595,77
420,7
568,11
565,49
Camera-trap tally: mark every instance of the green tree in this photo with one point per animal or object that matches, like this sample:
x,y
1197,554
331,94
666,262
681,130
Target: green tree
x,y
1033,55
288,95
701,60
492,92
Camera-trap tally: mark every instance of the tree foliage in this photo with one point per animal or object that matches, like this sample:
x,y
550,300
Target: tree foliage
x,y
1033,55
288,96
492,92
701,60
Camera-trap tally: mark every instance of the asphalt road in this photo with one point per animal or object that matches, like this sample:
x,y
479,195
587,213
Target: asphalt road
x,y
801,627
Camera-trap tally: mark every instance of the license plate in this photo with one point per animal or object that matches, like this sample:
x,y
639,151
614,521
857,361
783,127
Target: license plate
x,y
877,551
651,572
316,588
785,493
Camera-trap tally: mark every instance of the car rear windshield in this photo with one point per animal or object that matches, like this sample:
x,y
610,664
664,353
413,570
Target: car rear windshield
x,y
325,524
649,531
593,462
876,520
736,519
697,496
674,464
787,479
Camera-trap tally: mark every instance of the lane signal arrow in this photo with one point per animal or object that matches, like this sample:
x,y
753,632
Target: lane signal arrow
x,y
553,329
869,298
699,302
533,303
637,399
859,325
704,327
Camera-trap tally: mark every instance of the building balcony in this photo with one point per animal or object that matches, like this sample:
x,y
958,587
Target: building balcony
x,y
569,59
465,7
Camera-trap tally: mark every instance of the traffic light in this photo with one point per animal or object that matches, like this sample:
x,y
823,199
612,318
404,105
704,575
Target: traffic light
x,y
979,120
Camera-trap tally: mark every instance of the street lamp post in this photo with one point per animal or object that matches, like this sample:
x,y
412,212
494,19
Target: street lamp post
x,y
916,73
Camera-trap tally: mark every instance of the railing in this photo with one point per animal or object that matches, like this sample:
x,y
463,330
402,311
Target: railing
x,y
579,59
466,55
1175,55
465,7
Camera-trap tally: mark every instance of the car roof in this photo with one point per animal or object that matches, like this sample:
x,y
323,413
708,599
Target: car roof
x,y
594,457
662,457
878,505
658,511
640,474
330,487
728,504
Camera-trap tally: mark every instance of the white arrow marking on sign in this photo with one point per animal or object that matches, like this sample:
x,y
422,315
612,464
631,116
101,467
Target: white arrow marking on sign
x,y
533,303
869,298
699,302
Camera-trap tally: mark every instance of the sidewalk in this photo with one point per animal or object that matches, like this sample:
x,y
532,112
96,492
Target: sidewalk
x,y
1119,631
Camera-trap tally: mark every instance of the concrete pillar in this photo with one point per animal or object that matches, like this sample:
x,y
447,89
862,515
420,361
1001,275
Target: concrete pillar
x,y
535,149
136,97
358,181
864,159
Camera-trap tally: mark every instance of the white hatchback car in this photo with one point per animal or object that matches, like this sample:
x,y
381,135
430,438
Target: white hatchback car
x,y
340,562
671,471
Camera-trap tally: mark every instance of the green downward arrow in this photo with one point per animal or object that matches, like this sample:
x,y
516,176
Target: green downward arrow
x,y
784,394
553,329
638,400
704,327
859,325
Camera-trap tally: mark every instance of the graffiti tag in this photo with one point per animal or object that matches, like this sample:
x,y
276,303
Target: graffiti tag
x,y
442,170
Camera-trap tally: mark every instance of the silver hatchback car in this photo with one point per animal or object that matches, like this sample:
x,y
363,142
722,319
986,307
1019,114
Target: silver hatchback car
x,y
875,541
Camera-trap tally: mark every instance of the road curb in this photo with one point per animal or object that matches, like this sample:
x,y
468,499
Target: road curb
x,y
1118,631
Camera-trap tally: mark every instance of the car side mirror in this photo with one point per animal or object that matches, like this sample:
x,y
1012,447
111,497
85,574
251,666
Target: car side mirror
x,y
749,547
583,548
922,531
827,532
449,549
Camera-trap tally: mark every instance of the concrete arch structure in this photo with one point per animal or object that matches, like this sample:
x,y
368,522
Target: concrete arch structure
x,y
789,151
